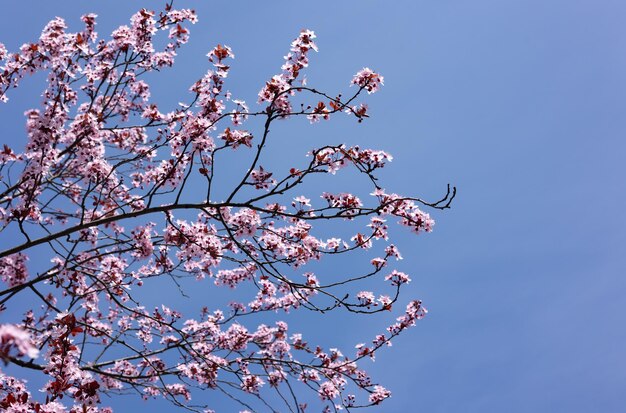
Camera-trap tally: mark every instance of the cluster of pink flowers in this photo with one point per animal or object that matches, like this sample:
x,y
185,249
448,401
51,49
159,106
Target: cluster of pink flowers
x,y
235,137
262,179
348,204
277,90
379,394
320,111
13,337
240,112
143,240
235,276
199,246
406,209
398,278
414,312
292,243
339,157
13,269
370,158
369,80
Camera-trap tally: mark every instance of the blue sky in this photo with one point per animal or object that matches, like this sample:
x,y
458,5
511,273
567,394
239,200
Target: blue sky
x,y
520,104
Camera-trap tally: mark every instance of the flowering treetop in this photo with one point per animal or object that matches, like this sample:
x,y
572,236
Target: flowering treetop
x,y
107,193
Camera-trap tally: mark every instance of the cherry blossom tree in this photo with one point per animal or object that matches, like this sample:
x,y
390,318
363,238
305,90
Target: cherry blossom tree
x,y
114,191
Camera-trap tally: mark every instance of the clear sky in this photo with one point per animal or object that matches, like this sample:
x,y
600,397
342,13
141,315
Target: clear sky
x,y
519,103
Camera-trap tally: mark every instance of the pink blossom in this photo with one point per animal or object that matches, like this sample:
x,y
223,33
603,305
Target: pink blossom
x,y
14,337
379,394
302,200
143,240
368,80
53,407
392,251
261,179
251,383
397,278
234,138
13,269
328,391
366,298
178,389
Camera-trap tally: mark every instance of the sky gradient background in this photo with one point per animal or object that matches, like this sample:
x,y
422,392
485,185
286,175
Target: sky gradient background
x,y
521,105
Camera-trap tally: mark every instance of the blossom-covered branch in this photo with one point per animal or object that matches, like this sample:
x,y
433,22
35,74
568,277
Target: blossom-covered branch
x,y
114,191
